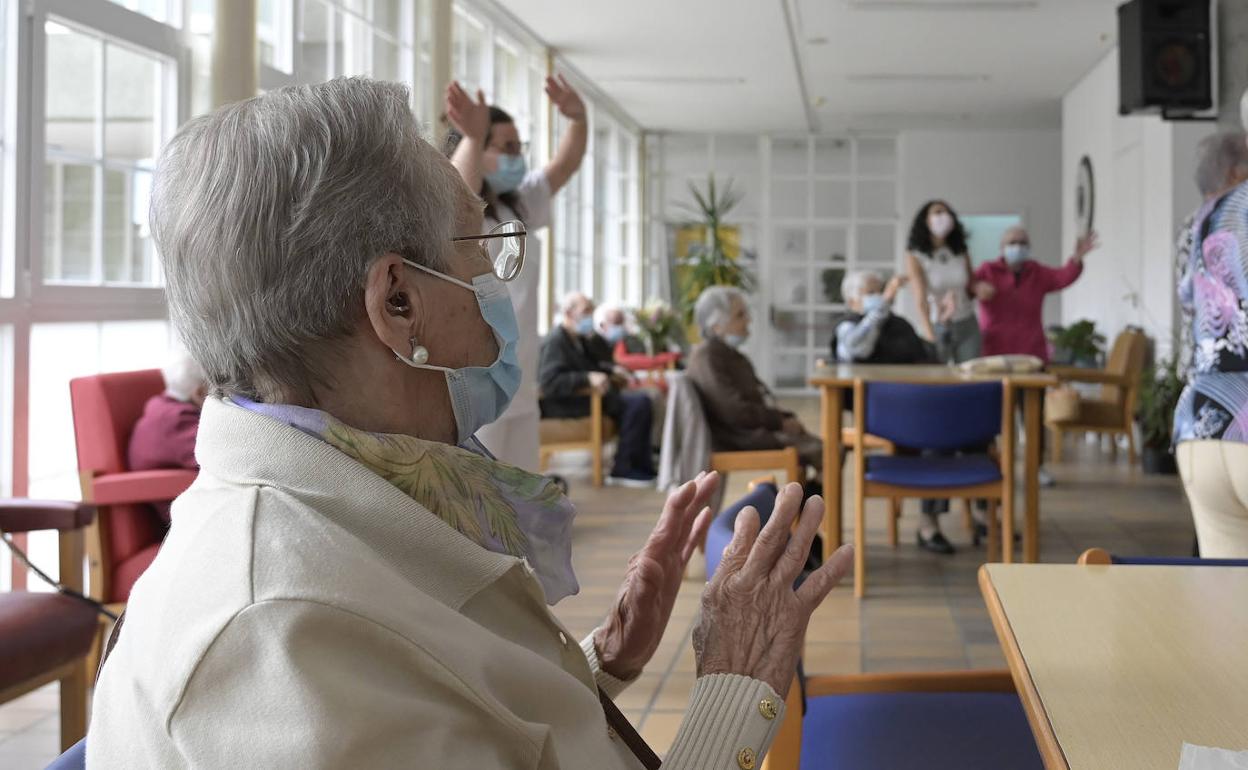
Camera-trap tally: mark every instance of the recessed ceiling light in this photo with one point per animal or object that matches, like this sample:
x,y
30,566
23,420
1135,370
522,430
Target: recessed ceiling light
x,y
820,40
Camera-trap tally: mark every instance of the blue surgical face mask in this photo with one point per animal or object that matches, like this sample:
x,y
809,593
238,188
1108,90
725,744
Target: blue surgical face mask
x,y
509,175
480,394
872,302
1016,253
735,340
614,334
585,326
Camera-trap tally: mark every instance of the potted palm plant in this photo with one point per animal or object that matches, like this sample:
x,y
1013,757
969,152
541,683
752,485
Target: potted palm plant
x,y
716,259
1159,395
1079,344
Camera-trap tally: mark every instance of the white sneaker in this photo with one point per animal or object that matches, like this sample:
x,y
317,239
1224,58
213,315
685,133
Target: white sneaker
x,y
1046,478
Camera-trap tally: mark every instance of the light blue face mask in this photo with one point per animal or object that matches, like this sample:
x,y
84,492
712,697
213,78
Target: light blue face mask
x,y
872,303
510,173
585,326
614,334
479,394
1017,253
735,340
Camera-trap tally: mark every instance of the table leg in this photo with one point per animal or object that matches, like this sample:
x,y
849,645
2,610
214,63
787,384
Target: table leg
x,y
1007,476
1031,531
831,403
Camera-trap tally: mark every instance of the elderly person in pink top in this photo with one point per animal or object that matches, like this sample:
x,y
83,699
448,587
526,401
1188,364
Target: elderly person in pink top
x,y
1011,292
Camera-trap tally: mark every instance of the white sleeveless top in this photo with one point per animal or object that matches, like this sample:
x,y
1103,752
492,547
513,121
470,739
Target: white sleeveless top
x,y
946,272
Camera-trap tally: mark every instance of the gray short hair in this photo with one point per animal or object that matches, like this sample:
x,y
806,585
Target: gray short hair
x,y
183,376
714,306
1217,158
1243,110
268,213
854,280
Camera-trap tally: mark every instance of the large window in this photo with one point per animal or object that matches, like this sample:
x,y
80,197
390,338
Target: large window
x,y
355,37
107,115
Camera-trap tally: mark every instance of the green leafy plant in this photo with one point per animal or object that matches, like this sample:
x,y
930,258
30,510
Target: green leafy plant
x,y
1159,396
656,324
708,263
1080,343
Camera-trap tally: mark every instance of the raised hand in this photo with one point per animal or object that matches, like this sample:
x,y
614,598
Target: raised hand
x,y
753,622
469,117
631,633
984,291
895,284
565,98
1087,244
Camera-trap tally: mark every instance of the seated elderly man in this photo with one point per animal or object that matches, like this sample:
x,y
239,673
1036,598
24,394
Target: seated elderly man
x,y
740,410
574,359
351,581
164,435
870,332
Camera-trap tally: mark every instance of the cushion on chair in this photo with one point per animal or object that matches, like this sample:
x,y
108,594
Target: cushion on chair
x,y
74,758
918,731
933,472
40,631
571,430
127,572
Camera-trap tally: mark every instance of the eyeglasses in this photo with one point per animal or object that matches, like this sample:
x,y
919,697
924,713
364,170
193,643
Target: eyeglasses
x,y
504,244
511,148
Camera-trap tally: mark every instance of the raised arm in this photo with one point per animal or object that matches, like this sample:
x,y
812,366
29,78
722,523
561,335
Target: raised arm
x,y
1059,278
572,147
471,118
918,278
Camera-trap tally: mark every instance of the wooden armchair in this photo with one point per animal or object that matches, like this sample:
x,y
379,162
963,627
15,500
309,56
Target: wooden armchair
x,y
578,434
1112,411
46,637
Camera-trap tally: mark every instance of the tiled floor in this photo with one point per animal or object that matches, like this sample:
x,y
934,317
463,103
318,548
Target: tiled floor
x,y
923,612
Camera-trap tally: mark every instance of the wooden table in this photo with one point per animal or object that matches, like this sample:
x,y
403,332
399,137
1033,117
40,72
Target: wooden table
x,y
834,380
1117,667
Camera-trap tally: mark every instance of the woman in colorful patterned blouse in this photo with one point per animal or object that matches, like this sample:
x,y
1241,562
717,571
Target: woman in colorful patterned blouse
x,y
1211,421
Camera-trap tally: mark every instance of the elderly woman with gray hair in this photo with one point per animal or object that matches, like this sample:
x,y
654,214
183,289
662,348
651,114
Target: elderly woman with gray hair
x,y
352,581
740,410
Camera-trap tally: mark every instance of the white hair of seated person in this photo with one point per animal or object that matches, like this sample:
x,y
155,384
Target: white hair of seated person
x,y
1221,158
1243,110
854,281
184,378
343,169
604,313
714,307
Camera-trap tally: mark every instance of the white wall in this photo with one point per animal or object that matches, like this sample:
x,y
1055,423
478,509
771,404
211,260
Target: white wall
x,y
1143,189
990,172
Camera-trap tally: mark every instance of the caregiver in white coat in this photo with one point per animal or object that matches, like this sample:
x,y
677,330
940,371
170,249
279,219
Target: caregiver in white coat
x,y
490,157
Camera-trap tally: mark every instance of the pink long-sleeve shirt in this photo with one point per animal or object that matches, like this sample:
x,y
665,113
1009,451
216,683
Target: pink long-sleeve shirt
x,y
1013,320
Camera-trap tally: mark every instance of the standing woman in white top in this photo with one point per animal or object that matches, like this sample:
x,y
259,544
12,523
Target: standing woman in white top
x,y
940,271
485,148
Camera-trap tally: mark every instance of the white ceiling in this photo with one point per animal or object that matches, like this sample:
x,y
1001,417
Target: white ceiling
x,y
728,66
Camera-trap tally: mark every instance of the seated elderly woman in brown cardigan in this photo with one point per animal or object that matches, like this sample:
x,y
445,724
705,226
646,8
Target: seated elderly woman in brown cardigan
x,y
353,581
740,410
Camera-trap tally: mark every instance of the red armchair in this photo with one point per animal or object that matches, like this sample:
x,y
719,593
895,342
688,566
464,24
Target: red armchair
x,y
127,532
45,637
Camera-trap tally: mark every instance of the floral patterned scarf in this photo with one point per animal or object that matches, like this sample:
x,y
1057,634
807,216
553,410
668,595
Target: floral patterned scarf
x,y
497,506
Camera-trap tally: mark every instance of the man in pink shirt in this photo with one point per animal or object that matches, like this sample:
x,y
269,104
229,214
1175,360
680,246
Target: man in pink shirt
x,y
1011,291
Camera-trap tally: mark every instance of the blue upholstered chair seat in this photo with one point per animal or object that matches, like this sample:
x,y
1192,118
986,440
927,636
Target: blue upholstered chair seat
x,y
919,731
933,472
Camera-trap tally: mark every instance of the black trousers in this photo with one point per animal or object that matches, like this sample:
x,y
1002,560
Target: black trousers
x,y
634,414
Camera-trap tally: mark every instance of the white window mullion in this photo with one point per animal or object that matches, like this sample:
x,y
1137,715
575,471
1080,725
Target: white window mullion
x,y
101,115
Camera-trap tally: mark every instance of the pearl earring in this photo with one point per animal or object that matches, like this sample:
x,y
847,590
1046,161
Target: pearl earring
x,y
420,354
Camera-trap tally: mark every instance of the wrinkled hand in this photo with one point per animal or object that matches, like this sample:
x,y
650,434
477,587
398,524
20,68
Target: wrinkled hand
x,y
984,291
470,118
1087,244
565,98
600,382
753,622
895,285
631,633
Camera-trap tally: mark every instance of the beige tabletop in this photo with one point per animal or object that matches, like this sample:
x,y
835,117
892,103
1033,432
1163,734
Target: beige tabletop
x,y
845,374
1119,666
